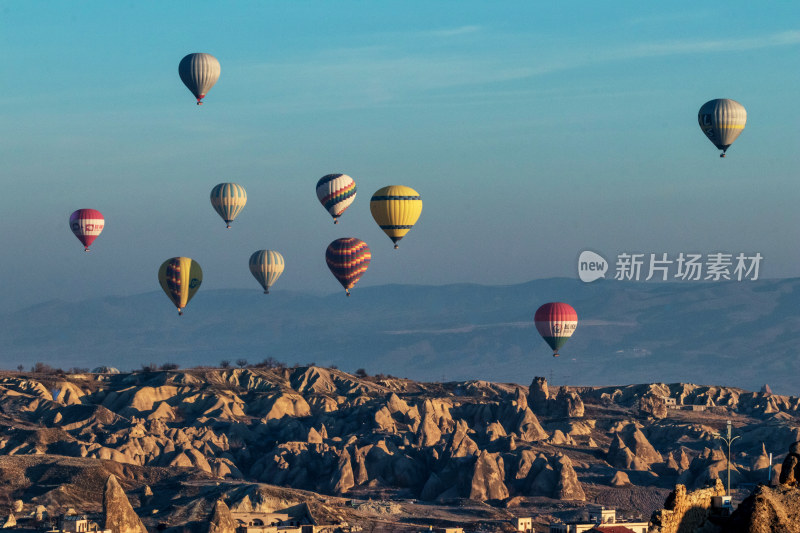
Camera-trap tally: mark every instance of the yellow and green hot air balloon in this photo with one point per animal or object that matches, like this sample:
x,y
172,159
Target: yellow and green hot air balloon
x,y
228,200
266,266
180,277
396,209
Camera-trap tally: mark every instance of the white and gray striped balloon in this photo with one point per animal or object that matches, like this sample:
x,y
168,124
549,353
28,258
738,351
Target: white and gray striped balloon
x,y
199,72
266,266
722,120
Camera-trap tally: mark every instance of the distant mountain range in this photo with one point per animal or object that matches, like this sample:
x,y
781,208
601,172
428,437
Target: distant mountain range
x,y
741,334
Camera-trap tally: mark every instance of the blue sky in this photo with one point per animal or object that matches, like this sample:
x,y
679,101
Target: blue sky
x,y
531,130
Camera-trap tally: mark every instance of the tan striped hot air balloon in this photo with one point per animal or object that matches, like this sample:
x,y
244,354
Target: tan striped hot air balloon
x,y
396,209
199,72
180,277
722,120
228,200
266,266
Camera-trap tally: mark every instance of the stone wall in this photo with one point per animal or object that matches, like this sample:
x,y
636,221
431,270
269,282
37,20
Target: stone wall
x,y
685,511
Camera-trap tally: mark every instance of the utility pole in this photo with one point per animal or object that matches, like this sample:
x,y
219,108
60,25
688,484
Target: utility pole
x,y
728,439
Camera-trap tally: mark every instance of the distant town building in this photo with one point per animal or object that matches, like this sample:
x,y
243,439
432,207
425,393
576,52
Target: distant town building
x,y
303,522
524,524
600,517
670,402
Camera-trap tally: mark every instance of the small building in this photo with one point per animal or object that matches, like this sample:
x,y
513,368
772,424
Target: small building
x,y
670,402
599,517
524,524
80,523
612,529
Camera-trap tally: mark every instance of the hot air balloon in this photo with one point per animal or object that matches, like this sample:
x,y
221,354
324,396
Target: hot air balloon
x,y
228,200
180,277
348,259
396,209
199,72
336,192
86,224
266,266
722,121
556,322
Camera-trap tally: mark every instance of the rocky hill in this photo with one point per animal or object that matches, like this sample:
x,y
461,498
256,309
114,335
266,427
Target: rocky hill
x,y
429,446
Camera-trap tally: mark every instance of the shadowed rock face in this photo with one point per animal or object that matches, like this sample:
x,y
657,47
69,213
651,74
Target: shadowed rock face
x,y
487,479
790,470
118,514
221,519
768,510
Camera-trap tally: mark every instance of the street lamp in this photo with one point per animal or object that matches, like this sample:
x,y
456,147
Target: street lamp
x,y
728,440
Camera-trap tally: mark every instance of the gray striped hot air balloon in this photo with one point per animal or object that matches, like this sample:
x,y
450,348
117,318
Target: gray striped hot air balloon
x,y
228,200
266,266
722,120
199,72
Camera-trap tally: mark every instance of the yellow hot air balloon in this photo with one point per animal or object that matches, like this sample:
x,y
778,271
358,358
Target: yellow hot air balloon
x,y
180,277
396,209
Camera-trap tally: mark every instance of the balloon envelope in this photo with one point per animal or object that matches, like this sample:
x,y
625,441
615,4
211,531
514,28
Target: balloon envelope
x,y
180,277
722,120
556,322
199,72
396,209
86,224
348,259
266,266
228,200
336,192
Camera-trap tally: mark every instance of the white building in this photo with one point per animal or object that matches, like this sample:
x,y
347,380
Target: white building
x,y
524,524
598,515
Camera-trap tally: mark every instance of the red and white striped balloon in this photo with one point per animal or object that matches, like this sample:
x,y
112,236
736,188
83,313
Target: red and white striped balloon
x,y
86,224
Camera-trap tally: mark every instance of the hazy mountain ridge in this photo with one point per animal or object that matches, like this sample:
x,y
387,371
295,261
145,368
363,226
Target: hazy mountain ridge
x,y
742,334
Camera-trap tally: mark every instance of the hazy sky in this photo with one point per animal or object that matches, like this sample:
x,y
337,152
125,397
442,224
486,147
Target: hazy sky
x,y
532,131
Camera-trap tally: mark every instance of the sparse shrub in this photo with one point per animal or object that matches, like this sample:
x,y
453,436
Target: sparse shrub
x,y
224,364
20,368
151,367
42,368
170,366
270,362
77,370
241,363
361,373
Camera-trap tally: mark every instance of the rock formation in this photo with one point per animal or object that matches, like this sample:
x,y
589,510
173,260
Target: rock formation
x,y
768,510
568,487
487,478
221,519
685,511
118,514
790,470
